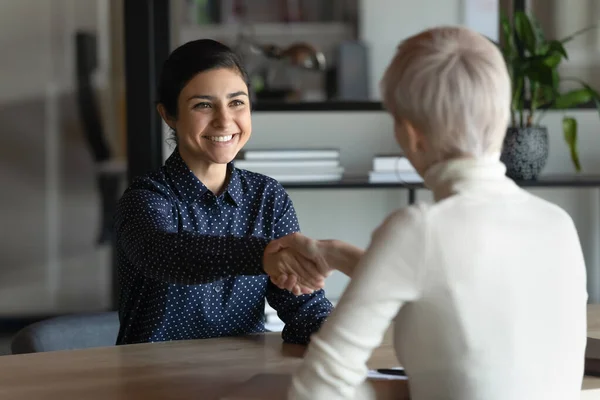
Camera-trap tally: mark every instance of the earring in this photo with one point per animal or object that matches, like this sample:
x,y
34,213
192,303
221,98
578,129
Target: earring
x,y
397,172
402,182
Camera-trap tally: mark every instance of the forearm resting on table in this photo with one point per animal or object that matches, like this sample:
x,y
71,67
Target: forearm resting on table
x,y
341,255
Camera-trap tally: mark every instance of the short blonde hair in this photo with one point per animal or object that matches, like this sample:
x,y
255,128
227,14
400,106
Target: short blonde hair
x,y
452,85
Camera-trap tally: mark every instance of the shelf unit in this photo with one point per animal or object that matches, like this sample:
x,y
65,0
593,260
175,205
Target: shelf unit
x,y
292,31
550,181
568,180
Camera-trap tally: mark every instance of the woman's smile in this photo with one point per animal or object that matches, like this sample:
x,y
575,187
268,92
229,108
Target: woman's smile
x,y
222,140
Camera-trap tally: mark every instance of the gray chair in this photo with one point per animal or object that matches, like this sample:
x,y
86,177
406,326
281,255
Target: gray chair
x,y
68,332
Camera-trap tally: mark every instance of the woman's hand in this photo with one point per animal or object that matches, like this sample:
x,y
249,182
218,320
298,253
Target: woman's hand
x,y
295,262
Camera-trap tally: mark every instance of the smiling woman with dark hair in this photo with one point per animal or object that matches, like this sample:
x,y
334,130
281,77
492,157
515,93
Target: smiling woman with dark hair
x,y
191,237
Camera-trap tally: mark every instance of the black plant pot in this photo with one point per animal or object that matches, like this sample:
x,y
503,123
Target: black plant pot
x,y
525,152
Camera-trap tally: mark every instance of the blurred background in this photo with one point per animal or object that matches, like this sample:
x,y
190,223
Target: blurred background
x,y
65,151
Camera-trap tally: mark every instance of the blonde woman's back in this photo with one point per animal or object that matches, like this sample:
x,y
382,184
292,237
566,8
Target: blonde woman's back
x,y
502,311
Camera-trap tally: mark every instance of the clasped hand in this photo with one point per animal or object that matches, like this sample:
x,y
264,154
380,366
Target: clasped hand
x,y
296,263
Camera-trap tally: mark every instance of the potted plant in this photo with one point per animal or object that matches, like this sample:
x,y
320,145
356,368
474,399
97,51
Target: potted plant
x,y
533,63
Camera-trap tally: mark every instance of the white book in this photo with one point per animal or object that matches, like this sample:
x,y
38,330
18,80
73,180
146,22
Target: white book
x,y
400,177
392,163
271,164
298,171
291,154
283,178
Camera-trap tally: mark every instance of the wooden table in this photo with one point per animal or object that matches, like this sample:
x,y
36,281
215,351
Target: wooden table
x,y
197,369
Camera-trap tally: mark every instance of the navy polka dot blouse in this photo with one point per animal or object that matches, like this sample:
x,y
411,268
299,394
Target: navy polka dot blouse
x,y
190,262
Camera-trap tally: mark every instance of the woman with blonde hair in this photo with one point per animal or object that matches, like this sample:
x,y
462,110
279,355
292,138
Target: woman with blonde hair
x,y
486,287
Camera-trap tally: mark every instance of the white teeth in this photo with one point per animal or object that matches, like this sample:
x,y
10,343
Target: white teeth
x,y
220,138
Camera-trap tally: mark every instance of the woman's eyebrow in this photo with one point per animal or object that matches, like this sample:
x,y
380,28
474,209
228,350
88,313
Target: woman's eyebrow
x,y
235,94
201,96
212,98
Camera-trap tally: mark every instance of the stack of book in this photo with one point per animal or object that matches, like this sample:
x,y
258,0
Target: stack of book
x,y
393,168
293,165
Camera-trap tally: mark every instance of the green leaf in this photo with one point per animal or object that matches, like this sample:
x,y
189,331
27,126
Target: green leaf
x,y
539,34
534,88
573,98
587,87
570,135
525,32
538,71
517,99
555,80
545,95
551,53
508,47
557,47
595,95
590,89
506,30
553,60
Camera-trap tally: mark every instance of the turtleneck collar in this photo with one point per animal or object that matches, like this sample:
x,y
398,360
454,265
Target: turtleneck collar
x,y
467,174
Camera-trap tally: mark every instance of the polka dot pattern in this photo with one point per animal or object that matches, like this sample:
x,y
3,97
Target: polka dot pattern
x,y
190,262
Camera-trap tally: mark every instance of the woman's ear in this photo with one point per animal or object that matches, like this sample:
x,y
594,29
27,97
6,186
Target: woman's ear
x,y
415,140
165,116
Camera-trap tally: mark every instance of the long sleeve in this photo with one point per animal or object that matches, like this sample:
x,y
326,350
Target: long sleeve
x,y
302,315
148,234
388,276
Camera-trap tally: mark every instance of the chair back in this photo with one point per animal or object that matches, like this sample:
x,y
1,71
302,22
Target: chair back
x,y
68,332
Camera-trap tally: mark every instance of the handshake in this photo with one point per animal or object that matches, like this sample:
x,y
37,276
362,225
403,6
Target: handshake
x,y
297,263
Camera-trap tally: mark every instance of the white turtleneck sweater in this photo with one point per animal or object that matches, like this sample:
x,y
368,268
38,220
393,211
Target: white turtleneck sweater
x,y
486,290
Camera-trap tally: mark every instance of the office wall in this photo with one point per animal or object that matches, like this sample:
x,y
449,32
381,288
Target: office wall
x,y
383,23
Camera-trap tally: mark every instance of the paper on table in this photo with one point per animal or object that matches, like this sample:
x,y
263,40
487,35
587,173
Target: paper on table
x,y
373,374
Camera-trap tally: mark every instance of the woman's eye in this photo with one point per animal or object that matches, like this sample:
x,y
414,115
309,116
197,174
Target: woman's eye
x,y
237,103
202,105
